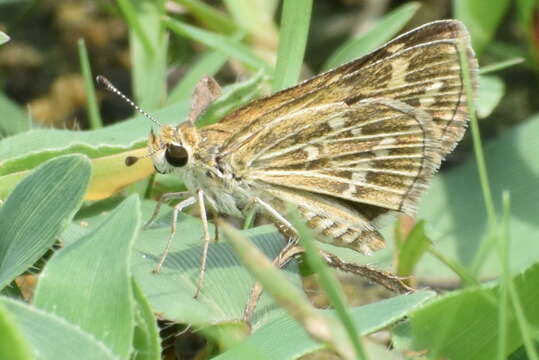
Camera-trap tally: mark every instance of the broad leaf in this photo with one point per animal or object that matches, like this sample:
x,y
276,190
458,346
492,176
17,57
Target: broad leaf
x,y
51,337
38,210
88,282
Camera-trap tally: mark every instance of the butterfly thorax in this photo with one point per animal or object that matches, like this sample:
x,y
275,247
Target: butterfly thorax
x,y
225,192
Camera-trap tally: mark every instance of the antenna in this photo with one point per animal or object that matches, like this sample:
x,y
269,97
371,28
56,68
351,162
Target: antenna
x,y
131,160
108,85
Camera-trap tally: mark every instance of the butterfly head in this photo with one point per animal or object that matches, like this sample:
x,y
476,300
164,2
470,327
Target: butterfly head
x,y
172,148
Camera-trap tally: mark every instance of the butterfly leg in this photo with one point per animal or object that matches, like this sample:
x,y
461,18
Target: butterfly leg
x,y
164,198
287,253
283,224
177,209
204,217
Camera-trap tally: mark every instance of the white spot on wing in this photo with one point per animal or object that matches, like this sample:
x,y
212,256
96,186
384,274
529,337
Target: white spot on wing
x,y
428,99
312,152
381,149
324,224
399,68
338,231
336,123
359,177
350,192
348,238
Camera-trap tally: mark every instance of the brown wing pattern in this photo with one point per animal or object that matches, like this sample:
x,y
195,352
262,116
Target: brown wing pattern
x,y
336,222
420,68
356,142
379,152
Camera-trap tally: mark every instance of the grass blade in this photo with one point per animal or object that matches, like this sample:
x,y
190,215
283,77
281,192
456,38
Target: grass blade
x,y
132,19
208,64
149,66
503,302
295,21
92,109
412,250
382,32
480,158
227,45
500,65
328,283
209,16
319,326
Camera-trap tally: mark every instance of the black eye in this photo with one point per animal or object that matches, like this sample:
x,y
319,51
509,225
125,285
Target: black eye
x,y
176,155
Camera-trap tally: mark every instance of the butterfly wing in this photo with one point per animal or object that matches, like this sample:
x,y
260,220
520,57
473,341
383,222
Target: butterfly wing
x,y
421,68
335,221
361,140
345,168
378,152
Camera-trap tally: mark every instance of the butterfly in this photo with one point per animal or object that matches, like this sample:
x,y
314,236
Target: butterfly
x,y
344,148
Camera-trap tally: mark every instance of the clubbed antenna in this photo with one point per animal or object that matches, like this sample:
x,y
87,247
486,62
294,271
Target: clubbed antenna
x,y
131,160
108,85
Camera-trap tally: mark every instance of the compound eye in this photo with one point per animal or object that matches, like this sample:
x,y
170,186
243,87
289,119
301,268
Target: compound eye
x,y
176,155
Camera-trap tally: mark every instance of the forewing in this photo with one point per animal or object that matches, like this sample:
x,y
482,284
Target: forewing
x,y
379,153
420,68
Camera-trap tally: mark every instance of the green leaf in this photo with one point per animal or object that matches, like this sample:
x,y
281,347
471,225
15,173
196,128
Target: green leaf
x,y
329,284
208,64
3,38
149,45
13,345
132,19
481,27
146,342
383,31
88,283
37,211
107,148
13,120
209,16
455,215
412,250
318,325
51,337
92,109
489,93
255,17
463,324
227,284
501,65
228,45
295,20
269,339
